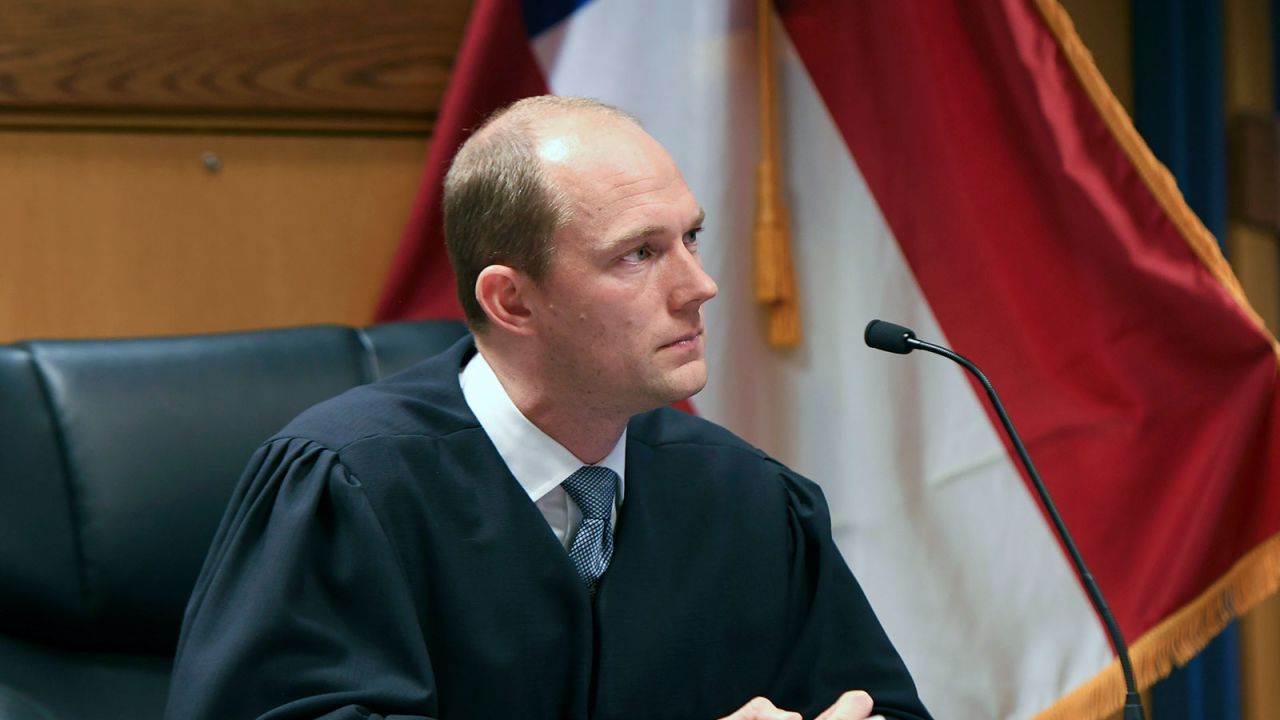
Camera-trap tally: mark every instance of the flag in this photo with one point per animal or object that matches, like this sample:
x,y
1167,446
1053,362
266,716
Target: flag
x,y
962,169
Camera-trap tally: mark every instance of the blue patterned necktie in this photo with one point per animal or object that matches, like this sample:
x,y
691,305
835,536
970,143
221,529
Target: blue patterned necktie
x,y
592,487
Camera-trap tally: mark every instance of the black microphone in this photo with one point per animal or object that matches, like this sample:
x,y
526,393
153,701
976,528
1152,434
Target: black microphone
x,y
893,338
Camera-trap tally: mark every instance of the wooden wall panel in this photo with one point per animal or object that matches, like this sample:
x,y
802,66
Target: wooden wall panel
x,y
129,234
373,63
110,222
1255,256
1254,250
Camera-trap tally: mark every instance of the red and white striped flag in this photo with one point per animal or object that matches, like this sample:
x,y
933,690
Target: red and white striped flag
x,y
960,168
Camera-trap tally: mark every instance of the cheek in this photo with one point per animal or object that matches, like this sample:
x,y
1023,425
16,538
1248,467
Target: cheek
x,y
611,323
617,316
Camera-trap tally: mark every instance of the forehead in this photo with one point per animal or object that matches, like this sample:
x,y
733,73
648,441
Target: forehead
x,y
613,175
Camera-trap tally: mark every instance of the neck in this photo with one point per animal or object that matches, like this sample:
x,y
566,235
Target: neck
x,y
584,425
588,437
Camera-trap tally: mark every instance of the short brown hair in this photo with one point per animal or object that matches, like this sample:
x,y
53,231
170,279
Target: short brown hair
x,y
499,206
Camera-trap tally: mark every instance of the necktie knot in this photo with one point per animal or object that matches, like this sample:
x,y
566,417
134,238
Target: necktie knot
x,y
593,488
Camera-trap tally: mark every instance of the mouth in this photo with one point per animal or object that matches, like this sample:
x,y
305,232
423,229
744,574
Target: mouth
x,y
685,342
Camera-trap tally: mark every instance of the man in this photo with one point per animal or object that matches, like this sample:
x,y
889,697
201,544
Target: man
x,y
520,527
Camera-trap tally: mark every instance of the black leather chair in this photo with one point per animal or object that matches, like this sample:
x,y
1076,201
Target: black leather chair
x,y
117,458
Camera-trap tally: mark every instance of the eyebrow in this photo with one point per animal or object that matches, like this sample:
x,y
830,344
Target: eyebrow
x,y
644,232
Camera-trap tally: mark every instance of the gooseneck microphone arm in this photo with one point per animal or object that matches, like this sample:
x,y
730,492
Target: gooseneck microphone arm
x,y
897,339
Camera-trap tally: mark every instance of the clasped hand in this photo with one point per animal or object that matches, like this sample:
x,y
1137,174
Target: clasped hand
x,y
853,705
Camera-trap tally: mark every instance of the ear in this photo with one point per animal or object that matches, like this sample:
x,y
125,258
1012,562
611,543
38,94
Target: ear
x,y
501,291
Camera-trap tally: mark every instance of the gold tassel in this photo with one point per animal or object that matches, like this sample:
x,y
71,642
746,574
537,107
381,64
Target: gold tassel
x,y
775,274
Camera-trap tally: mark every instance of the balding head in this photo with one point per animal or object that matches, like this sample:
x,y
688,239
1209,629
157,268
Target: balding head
x,y
501,203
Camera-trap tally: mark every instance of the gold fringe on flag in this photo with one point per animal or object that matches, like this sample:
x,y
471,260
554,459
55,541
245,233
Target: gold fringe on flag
x,y
1179,637
1153,173
775,274
1256,575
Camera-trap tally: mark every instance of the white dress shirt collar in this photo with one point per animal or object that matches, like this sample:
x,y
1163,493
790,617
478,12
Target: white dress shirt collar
x,y
537,461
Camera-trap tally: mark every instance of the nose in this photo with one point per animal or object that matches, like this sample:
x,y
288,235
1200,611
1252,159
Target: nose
x,y
694,286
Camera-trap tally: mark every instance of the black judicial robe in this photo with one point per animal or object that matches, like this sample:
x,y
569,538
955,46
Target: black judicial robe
x,y
379,560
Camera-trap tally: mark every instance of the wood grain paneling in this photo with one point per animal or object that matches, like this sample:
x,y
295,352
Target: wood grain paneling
x,y
1254,169
100,62
131,234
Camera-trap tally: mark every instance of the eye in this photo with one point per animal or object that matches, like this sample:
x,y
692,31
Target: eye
x,y
691,238
640,254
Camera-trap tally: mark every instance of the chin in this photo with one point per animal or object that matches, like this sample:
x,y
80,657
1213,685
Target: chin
x,y
686,383
665,395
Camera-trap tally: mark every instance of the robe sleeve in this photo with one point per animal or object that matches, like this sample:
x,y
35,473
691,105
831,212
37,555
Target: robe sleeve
x,y
302,609
839,644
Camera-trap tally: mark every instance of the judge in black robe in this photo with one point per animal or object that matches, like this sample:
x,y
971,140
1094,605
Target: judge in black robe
x,y
378,560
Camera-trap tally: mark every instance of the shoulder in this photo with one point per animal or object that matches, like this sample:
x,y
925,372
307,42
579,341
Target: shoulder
x,y
699,463
667,427
424,400
692,441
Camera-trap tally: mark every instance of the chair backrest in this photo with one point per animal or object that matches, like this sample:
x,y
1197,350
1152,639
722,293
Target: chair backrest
x,y
117,458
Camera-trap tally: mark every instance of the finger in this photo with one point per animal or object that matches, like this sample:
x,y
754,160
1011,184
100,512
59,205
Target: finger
x,y
762,709
853,705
